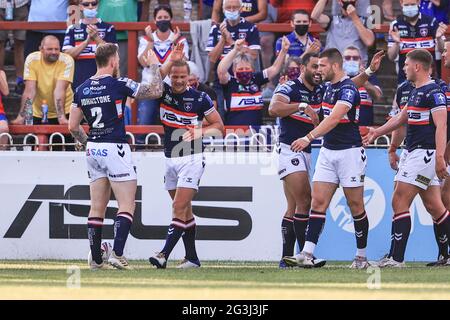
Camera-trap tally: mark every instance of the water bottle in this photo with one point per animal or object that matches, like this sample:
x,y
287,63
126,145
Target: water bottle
x,y
28,113
9,10
44,107
187,10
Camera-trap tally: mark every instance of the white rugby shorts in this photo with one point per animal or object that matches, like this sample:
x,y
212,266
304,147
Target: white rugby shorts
x,y
419,169
290,161
110,160
343,167
184,172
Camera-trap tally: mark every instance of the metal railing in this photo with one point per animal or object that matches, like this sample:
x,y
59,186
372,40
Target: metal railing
x,y
236,138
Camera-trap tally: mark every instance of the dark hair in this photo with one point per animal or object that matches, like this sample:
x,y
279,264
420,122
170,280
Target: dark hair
x,y
164,7
301,11
182,64
422,56
307,56
333,55
104,52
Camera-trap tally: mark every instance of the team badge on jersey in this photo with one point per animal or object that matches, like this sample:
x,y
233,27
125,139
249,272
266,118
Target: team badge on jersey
x,y
439,98
423,32
188,106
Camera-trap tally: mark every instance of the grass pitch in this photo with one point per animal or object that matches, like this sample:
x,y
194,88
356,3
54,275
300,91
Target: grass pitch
x,y
218,280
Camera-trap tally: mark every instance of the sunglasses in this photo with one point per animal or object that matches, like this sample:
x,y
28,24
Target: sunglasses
x,y
87,4
354,58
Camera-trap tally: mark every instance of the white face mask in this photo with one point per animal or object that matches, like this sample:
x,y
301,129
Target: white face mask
x,y
410,11
231,15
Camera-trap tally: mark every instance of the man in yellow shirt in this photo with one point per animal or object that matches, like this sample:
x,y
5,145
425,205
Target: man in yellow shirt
x,y
48,75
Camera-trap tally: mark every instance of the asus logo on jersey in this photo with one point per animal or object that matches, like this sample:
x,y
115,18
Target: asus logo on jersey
x,y
251,101
173,118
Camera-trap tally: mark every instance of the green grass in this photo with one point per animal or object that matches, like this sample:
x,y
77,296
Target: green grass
x,y
219,280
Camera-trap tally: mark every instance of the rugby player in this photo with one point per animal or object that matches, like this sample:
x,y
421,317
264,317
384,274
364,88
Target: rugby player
x,y
101,100
426,116
396,163
182,109
294,168
342,159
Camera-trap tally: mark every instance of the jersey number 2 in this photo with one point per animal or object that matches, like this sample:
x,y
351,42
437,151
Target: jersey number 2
x,y
97,113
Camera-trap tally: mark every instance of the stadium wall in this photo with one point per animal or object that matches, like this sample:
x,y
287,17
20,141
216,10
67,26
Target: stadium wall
x,y
45,201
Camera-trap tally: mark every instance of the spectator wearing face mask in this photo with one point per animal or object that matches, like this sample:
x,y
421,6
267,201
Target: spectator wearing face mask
x,y
301,40
222,39
81,41
252,10
161,42
346,28
291,70
369,92
413,30
242,91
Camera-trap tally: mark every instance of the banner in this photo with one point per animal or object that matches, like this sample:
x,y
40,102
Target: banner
x,y
239,207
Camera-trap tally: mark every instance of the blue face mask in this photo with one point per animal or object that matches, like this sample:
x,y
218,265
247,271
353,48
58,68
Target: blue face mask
x,y
351,68
232,15
90,13
410,11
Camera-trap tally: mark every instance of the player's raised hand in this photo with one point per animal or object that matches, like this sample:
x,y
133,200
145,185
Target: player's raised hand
x,y
376,60
150,58
300,144
177,53
369,137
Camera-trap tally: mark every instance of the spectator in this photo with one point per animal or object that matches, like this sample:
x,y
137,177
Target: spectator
x,y
4,91
81,41
413,30
252,10
291,70
20,13
194,82
301,41
280,11
369,92
42,10
48,74
161,42
120,11
222,38
242,91
345,29
436,8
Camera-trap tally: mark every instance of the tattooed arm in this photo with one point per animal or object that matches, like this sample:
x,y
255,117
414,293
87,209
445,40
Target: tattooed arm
x,y
77,131
59,96
27,99
153,89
